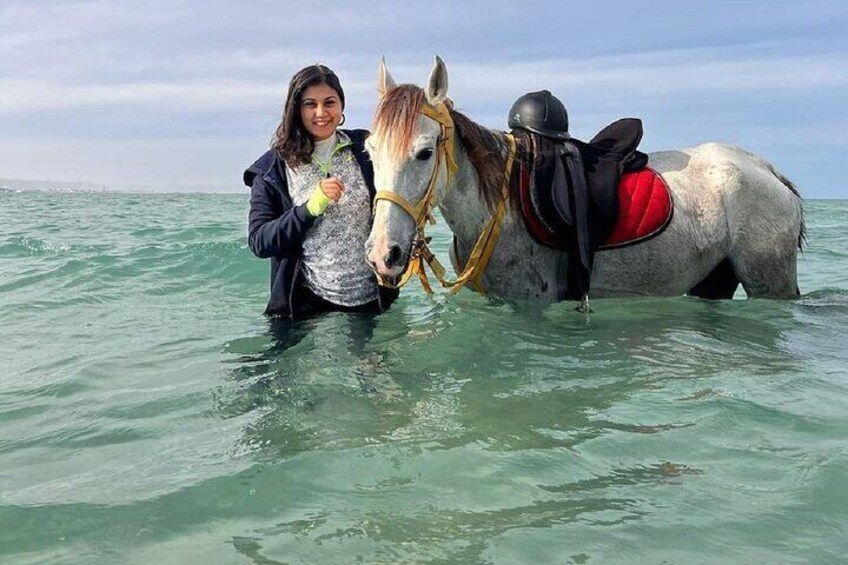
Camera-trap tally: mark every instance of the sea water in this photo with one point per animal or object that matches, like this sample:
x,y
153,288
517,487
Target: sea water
x,y
150,414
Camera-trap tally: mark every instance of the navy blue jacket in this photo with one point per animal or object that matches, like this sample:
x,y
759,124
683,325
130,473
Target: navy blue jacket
x,y
276,227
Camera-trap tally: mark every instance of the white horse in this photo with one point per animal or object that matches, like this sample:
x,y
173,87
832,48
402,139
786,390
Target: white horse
x,y
736,219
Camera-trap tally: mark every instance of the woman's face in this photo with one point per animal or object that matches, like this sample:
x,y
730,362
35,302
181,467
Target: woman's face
x,y
320,111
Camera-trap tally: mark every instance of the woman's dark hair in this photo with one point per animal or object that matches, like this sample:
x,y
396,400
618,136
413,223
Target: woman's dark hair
x,y
291,140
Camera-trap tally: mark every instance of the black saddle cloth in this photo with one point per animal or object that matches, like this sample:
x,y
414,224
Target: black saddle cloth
x,y
576,187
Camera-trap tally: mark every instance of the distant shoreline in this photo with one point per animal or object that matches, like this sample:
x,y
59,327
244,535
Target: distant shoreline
x,y
27,185
16,185
7,190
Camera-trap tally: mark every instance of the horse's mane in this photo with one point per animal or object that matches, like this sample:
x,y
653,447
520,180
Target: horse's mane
x,y
395,121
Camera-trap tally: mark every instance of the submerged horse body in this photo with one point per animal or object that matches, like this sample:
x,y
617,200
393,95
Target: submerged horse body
x,y
736,219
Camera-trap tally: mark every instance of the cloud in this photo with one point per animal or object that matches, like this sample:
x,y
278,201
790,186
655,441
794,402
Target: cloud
x,y
678,72
28,96
647,75
141,82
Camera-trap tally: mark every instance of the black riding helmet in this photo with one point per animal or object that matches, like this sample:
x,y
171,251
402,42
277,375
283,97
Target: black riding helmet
x,y
540,112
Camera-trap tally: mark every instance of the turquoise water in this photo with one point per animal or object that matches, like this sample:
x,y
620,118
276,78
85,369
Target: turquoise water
x,y
150,414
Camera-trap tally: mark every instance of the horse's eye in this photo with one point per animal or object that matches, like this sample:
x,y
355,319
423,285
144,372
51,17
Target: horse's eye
x,y
424,154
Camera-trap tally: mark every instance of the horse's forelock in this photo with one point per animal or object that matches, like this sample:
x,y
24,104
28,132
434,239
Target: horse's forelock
x,y
396,119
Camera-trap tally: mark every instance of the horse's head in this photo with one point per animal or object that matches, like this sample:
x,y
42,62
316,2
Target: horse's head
x,y
411,146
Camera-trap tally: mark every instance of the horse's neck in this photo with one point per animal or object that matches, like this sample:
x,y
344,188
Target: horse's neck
x,y
462,206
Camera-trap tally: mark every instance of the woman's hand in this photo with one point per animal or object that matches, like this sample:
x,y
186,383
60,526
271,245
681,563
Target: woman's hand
x,y
328,190
332,187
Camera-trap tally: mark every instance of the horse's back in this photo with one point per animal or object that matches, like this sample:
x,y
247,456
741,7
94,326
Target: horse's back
x,y
723,168
729,184
734,200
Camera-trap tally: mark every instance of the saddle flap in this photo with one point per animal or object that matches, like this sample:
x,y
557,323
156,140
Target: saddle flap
x,y
645,208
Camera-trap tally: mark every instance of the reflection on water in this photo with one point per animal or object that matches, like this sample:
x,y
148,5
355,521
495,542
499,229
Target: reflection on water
x,y
458,423
453,378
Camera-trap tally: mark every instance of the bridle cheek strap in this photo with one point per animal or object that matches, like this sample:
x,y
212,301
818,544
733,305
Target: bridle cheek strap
x,y
441,114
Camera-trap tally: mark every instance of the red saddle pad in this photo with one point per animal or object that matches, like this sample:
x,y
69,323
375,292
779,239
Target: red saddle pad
x,y
644,208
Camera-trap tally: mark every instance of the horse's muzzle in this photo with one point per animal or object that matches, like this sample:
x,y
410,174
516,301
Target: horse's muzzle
x,y
388,262
394,257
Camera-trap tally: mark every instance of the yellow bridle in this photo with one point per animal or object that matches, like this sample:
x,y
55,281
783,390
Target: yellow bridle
x,y
421,213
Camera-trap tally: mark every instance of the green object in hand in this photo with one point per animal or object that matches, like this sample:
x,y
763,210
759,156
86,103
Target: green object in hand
x,y
318,202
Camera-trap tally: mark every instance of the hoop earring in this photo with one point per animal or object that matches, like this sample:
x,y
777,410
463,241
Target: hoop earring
x,y
343,119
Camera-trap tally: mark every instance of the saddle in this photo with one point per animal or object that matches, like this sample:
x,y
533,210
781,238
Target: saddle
x,y
583,197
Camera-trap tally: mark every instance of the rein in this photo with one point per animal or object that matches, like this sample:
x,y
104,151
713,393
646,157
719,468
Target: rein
x,y
422,212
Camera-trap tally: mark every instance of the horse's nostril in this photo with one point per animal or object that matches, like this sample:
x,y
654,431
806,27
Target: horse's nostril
x,y
393,257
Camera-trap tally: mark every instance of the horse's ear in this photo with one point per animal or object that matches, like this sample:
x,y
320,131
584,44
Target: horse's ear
x,y
437,86
385,82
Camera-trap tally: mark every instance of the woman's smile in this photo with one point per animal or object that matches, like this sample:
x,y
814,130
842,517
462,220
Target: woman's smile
x,y
321,111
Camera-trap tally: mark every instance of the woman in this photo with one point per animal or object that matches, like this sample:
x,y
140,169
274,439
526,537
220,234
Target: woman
x,y
311,196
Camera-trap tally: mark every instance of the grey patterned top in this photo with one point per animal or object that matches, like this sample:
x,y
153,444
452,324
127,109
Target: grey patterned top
x,y
334,249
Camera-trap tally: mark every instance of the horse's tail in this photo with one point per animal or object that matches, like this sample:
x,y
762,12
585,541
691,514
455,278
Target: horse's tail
x,y
802,234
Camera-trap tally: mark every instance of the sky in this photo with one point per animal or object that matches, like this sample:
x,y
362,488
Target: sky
x,y
184,95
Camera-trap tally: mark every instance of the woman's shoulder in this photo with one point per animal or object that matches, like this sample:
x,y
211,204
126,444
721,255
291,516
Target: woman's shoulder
x,y
264,166
357,139
357,136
